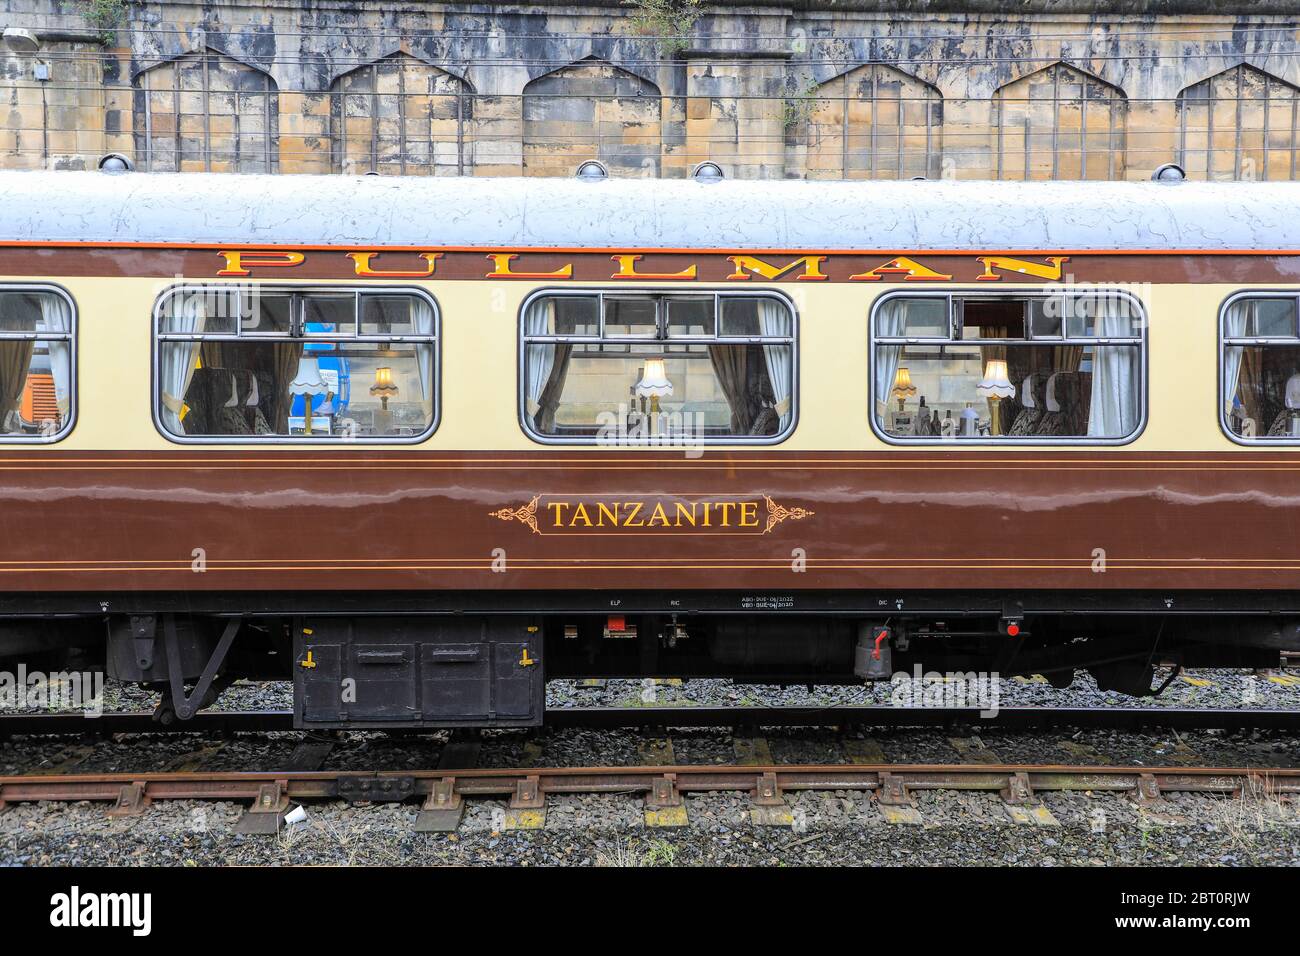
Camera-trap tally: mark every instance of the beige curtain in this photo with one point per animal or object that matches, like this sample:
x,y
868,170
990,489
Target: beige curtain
x,y
56,317
177,360
891,321
549,400
1250,379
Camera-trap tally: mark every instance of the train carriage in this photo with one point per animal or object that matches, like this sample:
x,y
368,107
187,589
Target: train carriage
x,y
421,444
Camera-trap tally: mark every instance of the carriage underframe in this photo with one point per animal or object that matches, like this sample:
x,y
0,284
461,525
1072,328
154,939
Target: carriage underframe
x,y
482,659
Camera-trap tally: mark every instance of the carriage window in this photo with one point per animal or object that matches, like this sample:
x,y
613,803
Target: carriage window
x,y
648,368
239,363
1008,368
1261,368
35,364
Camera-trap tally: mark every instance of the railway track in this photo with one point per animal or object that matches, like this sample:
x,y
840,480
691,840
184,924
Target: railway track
x,y
1028,718
661,783
663,788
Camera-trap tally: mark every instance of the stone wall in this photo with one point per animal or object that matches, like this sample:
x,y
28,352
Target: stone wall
x,y
816,89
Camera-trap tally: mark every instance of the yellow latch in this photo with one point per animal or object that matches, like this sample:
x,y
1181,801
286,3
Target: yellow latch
x,y
524,661
308,663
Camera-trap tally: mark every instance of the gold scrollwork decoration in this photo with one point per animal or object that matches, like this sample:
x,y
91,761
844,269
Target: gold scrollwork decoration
x,y
527,514
777,513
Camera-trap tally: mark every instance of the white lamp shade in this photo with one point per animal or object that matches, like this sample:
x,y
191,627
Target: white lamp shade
x,y
384,387
654,380
308,381
903,382
996,384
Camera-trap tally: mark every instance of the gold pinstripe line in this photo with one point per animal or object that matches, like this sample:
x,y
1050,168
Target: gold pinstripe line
x,y
588,565
781,561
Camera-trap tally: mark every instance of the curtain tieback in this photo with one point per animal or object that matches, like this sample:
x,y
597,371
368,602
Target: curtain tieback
x,y
175,405
533,408
782,407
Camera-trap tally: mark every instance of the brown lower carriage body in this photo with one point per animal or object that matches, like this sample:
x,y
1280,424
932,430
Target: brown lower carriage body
x,y
312,522
428,577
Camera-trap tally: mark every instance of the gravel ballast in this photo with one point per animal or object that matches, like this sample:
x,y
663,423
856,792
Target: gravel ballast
x,y
830,828
1095,829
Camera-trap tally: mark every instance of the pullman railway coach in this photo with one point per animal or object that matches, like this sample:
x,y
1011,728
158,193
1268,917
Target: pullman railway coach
x,y
421,444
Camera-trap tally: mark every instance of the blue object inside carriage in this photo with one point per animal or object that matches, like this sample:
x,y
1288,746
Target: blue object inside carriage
x,y
334,370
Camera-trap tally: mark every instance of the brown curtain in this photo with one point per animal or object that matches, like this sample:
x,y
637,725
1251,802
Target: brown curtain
x,y
990,353
284,366
21,314
15,361
213,355
549,402
731,365
1067,358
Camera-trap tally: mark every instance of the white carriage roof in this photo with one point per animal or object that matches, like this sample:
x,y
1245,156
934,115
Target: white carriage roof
x,y
509,213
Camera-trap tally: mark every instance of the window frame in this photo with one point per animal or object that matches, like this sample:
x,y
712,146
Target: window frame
x,y
70,337
952,296
327,441
1259,441
599,292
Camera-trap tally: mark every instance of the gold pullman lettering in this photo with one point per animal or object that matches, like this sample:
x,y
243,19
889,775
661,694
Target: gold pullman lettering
x,y
737,267
364,268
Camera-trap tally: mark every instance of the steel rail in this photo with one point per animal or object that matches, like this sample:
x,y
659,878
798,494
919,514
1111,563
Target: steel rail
x,y
685,716
529,787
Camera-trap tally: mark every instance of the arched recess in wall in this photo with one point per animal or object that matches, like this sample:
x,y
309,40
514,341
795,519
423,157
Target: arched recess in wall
x,y
873,122
206,112
1239,124
1059,123
401,116
592,110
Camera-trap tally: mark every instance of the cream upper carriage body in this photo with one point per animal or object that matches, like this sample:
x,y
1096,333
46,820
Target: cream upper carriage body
x,y
463,313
